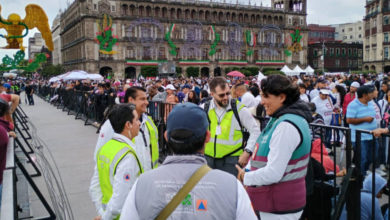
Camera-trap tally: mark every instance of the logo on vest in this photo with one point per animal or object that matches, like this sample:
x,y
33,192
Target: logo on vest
x,y
126,177
201,205
186,206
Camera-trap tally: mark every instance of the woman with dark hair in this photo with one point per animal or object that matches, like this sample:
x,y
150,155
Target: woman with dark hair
x,y
193,97
276,182
204,96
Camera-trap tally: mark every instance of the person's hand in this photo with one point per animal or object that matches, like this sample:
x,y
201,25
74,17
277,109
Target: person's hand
x,y
379,131
98,218
244,158
241,173
368,119
342,172
12,134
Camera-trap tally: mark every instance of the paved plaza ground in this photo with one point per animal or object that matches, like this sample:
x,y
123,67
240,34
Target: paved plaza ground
x,y
72,145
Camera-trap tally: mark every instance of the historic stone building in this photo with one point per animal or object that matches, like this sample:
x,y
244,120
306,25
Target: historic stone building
x,y
376,32
205,34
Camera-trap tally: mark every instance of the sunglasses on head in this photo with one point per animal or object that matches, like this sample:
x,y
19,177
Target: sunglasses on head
x,y
223,95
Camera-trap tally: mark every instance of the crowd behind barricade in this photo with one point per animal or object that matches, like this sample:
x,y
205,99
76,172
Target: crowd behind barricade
x,y
351,101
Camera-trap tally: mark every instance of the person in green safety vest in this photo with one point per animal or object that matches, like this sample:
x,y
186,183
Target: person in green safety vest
x,y
228,118
117,163
146,142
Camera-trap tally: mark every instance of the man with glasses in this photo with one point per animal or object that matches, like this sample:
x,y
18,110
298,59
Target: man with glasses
x,y
228,118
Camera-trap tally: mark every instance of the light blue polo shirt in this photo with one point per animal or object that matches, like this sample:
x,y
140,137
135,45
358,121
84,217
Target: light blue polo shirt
x,y
356,109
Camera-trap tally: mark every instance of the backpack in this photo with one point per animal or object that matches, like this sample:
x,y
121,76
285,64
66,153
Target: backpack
x,y
233,104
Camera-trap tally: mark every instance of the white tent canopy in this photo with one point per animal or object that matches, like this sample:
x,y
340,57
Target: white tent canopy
x,y
76,75
297,70
286,70
260,77
95,77
309,70
54,79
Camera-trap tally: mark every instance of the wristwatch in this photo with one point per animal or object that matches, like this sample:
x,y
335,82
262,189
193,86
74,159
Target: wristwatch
x,y
248,151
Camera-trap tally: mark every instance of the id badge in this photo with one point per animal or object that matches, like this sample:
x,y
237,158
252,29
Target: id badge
x,y
218,132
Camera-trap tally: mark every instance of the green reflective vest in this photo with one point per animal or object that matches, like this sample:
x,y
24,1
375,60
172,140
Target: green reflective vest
x,y
108,159
153,134
229,141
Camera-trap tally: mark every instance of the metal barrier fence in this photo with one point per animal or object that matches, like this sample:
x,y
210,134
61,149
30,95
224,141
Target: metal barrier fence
x,y
87,106
29,143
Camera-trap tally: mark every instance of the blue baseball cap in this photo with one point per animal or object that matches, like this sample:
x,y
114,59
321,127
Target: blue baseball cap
x,y
7,85
186,86
186,122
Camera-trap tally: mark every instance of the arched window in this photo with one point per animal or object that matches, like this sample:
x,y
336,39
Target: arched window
x,y
141,10
172,14
220,16
164,12
148,11
201,15
193,14
157,12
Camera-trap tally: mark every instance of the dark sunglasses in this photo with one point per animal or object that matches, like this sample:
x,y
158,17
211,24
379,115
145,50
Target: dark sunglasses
x,y
223,95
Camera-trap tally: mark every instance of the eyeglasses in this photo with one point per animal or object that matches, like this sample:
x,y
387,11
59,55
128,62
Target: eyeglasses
x,y
223,95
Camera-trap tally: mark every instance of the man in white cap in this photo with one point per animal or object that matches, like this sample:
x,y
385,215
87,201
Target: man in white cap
x,y
351,95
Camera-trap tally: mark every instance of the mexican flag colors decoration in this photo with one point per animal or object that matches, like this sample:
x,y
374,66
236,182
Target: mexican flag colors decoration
x,y
168,38
250,40
217,38
105,37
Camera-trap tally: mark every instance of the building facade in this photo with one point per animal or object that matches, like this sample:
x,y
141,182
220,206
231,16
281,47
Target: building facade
x,y
338,56
55,31
321,33
350,32
376,33
209,35
35,45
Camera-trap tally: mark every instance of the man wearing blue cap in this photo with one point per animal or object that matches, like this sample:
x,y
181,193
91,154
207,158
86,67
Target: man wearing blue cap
x,y
184,187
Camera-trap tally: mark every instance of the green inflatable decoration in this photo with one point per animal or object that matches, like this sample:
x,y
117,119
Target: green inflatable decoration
x,y
10,64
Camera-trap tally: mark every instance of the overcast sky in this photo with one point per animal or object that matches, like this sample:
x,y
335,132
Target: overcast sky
x,y
319,11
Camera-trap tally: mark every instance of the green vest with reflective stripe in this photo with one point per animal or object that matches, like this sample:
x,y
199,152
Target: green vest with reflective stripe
x,y
229,141
108,159
153,134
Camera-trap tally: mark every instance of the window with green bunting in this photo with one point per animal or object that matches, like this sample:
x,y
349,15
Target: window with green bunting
x,y
386,53
337,51
331,51
315,53
386,37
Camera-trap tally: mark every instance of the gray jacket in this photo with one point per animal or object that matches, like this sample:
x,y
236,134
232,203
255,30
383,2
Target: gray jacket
x,y
214,197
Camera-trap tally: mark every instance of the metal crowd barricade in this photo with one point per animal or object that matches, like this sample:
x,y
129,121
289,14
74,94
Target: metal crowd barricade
x,y
8,201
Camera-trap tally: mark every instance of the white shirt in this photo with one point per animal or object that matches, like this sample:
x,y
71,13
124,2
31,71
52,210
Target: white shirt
x,y
244,207
304,97
247,121
257,100
281,150
248,100
121,185
314,93
324,108
143,153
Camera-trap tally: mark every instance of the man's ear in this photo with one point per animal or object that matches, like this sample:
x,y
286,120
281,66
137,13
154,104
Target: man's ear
x,y
166,136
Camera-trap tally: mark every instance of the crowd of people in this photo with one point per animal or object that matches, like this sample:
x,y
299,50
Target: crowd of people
x,y
235,126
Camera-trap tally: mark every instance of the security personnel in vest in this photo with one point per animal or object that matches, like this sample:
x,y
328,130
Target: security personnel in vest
x,y
117,161
276,184
146,142
217,195
225,148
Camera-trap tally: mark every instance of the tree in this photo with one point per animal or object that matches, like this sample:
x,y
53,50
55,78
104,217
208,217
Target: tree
x,y
52,70
149,71
192,71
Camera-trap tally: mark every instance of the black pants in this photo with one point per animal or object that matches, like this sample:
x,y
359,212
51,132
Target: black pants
x,y
30,99
227,164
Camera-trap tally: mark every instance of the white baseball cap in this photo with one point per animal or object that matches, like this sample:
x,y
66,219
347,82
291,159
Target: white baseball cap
x,y
171,87
325,91
355,84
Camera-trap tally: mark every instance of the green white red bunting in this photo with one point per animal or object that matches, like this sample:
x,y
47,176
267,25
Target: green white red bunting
x,y
143,63
270,62
233,62
194,62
